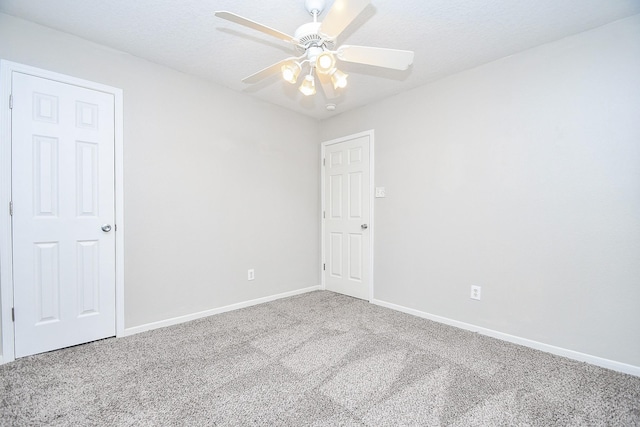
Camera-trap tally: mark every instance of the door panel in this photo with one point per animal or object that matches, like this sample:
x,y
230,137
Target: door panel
x,y
347,200
355,195
335,258
355,257
47,283
335,191
62,192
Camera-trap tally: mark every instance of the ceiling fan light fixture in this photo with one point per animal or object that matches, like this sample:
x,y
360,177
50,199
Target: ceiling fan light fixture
x,y
325,62
315,44
339,79
308,86
291,71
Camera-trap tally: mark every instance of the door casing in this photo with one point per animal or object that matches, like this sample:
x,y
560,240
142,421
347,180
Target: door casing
x,y
323,146
7,68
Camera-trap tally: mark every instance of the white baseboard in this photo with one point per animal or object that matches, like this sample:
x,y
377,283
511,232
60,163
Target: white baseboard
x,y
559,351
206,313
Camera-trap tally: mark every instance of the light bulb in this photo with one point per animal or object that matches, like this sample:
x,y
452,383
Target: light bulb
x,y
291,71
325,62
308,86
339,79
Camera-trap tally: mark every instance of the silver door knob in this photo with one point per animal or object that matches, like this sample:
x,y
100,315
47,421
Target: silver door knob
x,y
364,226
106,228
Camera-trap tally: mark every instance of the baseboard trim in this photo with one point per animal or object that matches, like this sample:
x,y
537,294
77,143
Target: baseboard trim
x,y
559,351
189,317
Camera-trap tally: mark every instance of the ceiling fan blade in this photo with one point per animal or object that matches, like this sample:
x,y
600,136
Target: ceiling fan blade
x,y
380,57
256,26
327,86
341,14
266,72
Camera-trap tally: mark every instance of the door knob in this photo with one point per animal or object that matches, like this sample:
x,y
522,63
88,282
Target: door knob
x,y
364,226
106,228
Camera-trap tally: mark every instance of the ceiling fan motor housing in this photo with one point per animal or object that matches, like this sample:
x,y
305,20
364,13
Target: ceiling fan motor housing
x,y
308,36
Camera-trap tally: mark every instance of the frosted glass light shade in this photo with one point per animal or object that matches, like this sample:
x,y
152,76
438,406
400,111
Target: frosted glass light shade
x,y
291,71
325,62
308,86
339,79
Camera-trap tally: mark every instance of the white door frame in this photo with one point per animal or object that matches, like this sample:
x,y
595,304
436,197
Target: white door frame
x,y
323,147
6,243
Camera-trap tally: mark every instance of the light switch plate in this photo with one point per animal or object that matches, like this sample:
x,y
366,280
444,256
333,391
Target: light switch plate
x,y
380,192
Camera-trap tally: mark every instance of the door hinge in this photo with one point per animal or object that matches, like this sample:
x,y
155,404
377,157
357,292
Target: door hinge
x,y
11,101
13,314
10,208
115,227
324,266
323,162
323,214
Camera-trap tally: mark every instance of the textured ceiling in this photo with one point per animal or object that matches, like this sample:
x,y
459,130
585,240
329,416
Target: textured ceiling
x,y
447,36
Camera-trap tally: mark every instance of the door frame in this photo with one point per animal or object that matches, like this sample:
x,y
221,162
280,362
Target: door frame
x,y
6,244
323,146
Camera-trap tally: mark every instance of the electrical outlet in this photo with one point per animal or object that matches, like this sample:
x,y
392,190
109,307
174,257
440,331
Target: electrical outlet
x,y
476,292
251,274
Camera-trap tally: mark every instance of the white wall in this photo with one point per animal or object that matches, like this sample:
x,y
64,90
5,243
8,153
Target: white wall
x,y
522,176
215,181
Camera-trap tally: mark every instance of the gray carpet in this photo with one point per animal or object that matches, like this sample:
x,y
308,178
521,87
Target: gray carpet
x,y
318,359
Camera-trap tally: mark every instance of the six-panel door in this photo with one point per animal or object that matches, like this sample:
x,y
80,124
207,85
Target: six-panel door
x,y
63,193
346,201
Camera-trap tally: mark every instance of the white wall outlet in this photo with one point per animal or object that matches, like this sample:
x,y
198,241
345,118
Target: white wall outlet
x,y
251,274
476,292
380,192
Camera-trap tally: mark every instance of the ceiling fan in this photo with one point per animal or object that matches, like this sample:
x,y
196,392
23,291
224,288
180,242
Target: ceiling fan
x,y
315,44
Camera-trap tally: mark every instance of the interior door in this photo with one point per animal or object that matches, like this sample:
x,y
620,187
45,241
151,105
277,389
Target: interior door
x,y
346,217
63,214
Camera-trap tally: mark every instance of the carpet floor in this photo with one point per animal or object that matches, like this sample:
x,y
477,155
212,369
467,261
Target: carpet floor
x,y
317,359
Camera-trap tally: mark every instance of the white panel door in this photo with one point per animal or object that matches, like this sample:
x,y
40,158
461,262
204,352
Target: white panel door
x,y
63,194
346,217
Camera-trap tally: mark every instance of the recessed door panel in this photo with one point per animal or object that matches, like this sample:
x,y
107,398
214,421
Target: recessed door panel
x,y
87,178
355,155
45,171
335,159
88,277
45,108
46,271
87,115
335,249
355,195
355,257
335,198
